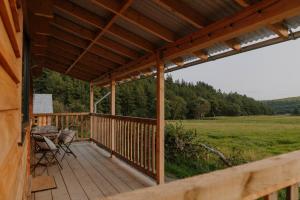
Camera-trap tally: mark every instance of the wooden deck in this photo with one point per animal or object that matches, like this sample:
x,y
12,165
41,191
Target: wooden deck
x,y
93,174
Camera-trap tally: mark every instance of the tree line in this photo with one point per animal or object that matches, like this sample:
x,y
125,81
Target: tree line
x,y
183,100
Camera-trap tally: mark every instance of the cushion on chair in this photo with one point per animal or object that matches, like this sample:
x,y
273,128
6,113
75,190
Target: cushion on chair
x,y
51,145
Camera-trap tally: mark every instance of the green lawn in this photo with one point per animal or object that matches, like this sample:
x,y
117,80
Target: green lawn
x,y
250,138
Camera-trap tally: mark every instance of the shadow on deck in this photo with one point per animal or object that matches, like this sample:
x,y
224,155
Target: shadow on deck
x,y
93,174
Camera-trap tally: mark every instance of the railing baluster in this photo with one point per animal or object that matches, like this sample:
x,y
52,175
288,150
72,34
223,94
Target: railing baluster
x,y
292,192
272,196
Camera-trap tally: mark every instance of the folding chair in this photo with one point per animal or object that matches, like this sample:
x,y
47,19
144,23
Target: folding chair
x,y
45,146
65,140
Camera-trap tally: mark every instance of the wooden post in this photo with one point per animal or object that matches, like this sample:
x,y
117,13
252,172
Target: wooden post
x,y
160,117
91,108
113,112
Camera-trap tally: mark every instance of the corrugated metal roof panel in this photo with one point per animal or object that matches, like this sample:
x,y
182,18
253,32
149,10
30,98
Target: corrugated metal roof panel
x,y
163,17
93,7
214,10
217,48
138,31
293,22
122,42
74,19
257,35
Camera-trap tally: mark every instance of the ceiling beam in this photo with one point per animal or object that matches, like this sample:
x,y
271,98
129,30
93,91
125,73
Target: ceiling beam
x,y
105,28
243,3
234,44
278,28
135,17
184,12
203,55
76,30
178,61
249,19
83,33
97,21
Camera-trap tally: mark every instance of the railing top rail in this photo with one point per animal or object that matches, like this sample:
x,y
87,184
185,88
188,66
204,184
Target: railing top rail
x,y
120,117
60,114
249,181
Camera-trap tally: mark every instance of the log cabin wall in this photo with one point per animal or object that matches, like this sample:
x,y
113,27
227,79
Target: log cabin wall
x,y
13,149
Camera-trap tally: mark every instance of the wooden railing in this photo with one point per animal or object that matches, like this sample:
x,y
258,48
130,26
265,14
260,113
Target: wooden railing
x,y
131,139
75,121
263,180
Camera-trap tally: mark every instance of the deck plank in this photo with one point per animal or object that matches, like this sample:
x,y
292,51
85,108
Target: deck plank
x,y
76,191
106,187
111,177
85,180
42,195
123,175
91,175
61,192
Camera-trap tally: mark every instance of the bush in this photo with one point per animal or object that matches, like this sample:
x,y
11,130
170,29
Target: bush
x,y
184,155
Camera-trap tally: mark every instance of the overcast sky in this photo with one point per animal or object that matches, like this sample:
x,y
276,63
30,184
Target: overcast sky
x,y
268,73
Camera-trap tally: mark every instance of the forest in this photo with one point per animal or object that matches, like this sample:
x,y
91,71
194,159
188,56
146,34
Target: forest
x,y
183,100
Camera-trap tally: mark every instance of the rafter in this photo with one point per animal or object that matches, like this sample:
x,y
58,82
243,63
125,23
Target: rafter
x,y
96,21
105,28
184,12
234,44
178,61
203,55
62,24
243,3
250,19
135,17
78,31
278,28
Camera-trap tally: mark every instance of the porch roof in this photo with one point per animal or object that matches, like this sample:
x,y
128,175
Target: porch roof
x,y
94,40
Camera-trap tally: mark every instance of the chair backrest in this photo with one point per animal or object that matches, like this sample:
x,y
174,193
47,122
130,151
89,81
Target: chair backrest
x,y
67,136
50,144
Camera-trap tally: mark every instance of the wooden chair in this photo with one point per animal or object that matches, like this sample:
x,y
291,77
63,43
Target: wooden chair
x,y
45,146
65,140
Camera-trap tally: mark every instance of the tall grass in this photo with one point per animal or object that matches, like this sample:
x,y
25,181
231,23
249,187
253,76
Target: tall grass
x,y
240,139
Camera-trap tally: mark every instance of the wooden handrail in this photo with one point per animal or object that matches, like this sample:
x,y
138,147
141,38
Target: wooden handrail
x,y
260,179
129,118
134,140
77,121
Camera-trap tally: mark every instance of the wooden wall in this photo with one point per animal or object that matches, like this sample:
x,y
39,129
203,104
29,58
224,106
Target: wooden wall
x,y
13,155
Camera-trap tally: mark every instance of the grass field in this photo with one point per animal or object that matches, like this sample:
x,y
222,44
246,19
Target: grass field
x,y
249,138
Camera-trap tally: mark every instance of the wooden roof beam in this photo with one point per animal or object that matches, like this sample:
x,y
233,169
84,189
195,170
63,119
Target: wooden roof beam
x,y
74,29
135,17
184,12
201,54
96,21
242,3
234,44
277,28
106,27
250,19
78,31
178,61
280,29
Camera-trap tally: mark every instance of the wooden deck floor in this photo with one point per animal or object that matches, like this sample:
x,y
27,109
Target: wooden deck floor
x,y
91,175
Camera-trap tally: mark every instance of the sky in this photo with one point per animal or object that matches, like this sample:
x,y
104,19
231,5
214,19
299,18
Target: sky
x,y
268,73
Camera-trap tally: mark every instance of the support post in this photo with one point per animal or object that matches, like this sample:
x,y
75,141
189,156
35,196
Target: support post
x,y
91,98
91,107
160,117
113,112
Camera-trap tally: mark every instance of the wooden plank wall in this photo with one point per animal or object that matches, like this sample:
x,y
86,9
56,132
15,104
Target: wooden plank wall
x,y
13,156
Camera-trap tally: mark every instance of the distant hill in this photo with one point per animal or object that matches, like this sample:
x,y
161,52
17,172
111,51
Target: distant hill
x,y
289,105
